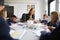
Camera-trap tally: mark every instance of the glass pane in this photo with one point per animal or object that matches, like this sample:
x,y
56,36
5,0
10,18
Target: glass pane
x,y
59,0
59,7
52,6
46,8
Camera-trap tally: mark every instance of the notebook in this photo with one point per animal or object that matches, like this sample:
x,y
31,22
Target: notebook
x,y
18,34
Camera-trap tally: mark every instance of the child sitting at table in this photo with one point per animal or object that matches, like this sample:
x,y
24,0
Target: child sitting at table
x,y
45,21
12,19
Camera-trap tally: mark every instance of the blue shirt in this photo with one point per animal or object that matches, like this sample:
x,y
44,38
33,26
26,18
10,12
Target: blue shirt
x,y
56,24
4,30
10,21
44,21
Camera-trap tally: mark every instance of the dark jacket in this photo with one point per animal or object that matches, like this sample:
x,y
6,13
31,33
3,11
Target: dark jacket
x,y
54,25
26,17
4,30
54,35
10,21
44,21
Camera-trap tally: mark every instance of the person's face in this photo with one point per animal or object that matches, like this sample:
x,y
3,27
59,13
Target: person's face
x,y
5,14
44,17
13,18
51,16
1,7
33,12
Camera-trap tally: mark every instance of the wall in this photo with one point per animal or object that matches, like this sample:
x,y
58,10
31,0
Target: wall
x,y
20,7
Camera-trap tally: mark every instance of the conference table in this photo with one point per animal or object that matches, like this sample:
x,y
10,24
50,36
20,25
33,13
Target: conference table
x,y
22,32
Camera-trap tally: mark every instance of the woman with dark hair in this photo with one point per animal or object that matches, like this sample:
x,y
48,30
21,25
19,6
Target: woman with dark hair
x,y
4,28
29,16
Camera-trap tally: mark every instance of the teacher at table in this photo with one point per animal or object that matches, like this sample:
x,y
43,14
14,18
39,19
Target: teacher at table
x,y
29,16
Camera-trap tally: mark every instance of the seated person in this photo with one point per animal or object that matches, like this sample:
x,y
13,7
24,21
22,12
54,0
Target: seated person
x,y
4,28
29,16
45,21
53,23
54,20
54,35
1,7
12,19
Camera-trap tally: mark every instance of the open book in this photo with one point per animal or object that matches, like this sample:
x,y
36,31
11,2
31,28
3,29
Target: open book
x,y
18,34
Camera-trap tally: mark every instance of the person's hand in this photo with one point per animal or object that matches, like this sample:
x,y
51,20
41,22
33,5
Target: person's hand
x,y
35,21
51,28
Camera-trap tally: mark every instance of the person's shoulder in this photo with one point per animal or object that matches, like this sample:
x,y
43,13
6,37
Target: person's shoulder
x,y
49,23
24,14
27,13
59,22
1,19
8,19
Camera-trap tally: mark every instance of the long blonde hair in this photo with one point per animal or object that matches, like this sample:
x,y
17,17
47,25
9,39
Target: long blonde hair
x,y
55,17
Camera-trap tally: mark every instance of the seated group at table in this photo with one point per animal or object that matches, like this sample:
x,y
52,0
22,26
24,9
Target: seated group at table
x,y
4,29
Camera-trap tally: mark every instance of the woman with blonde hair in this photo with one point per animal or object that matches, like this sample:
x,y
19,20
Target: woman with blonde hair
x,y
55,32
54,20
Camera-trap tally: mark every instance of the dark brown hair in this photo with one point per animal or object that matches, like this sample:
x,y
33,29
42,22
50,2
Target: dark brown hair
x,y
44,15
55,17
13,16
30,10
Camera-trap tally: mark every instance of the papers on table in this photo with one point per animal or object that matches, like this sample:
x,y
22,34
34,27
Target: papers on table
x,y
17,31
18,34
12,31
20,29
18,26
37,32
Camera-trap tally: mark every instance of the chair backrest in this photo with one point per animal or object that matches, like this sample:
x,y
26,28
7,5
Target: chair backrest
x,y
23,19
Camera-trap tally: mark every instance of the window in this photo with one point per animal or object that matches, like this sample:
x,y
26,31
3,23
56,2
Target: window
x,y
59,5
46,8
52,6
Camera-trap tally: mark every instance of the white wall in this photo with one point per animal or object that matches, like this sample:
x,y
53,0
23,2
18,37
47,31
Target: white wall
x,y
20,7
